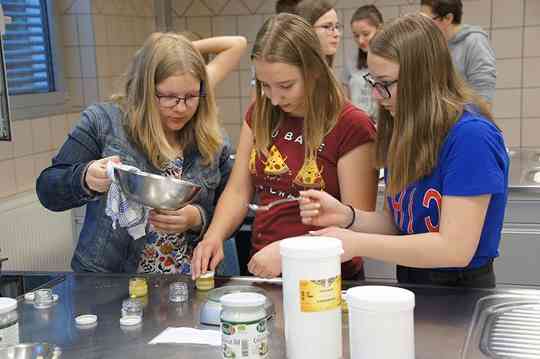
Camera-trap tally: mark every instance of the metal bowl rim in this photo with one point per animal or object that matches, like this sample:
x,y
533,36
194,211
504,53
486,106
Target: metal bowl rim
x,y
157,177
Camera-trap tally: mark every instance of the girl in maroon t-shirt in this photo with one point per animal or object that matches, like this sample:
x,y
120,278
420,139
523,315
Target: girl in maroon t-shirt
x,y
300,133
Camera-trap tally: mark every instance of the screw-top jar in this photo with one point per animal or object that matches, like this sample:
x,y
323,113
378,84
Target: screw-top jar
x,y
132,307
243,326
178,292
138,287
43,298
205,281
9,326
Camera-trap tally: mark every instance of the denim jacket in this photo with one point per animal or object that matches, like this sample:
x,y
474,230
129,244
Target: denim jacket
x,y
100,133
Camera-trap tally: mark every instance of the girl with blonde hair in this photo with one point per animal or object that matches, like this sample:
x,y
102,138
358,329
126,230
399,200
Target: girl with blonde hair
x,y
164,121
300,133
446,167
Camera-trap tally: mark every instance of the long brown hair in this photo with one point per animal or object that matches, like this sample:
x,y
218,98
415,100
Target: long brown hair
x,y
164,55
311,11
431,98
373,16
289,39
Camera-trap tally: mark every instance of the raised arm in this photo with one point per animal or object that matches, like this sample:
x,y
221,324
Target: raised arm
x,y
228,51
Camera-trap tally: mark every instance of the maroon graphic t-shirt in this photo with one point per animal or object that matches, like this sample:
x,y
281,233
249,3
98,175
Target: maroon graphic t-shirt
x,y
284,173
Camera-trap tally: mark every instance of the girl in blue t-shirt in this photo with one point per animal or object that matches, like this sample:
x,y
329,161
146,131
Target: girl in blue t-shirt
x,y
446,167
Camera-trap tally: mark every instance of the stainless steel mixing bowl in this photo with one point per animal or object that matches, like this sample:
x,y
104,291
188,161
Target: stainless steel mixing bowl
x,y
156,191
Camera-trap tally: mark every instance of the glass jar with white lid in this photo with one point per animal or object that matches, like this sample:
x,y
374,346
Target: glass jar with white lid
x,y
244,326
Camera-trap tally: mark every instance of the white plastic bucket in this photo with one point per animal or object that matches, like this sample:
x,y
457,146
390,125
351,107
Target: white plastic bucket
x,y
381,322
311,270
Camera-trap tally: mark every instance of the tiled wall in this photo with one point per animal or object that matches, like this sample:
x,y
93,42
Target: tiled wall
x,y
514,27
100,36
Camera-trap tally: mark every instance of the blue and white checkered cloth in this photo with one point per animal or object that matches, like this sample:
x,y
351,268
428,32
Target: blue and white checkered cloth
x,y
128,214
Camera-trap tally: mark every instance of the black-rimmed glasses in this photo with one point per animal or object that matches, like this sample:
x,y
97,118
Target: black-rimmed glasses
x,y
330,27
380,86
169,101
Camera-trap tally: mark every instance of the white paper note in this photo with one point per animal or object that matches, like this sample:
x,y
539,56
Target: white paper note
x,y
188,335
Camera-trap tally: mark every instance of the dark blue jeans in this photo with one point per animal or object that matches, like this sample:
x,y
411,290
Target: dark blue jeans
x,y
482,277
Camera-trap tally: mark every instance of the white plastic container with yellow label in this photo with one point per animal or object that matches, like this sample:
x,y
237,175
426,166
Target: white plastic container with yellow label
x,y
311,270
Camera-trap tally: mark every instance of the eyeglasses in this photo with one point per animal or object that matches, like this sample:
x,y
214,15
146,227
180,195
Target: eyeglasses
x,y
380,86
173,101
329,28
168,101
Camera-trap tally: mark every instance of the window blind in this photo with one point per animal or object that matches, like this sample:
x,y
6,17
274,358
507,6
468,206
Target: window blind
x,y
27,48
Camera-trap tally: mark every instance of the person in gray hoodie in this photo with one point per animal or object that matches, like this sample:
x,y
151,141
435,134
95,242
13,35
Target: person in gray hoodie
x,y
469,45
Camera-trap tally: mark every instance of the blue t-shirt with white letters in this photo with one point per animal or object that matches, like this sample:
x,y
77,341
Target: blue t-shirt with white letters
x,y
473,161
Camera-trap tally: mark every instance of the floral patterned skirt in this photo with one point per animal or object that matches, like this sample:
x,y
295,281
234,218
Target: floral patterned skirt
x,y
166,253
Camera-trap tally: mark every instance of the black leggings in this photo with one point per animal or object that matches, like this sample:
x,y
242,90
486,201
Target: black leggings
x,y
481,277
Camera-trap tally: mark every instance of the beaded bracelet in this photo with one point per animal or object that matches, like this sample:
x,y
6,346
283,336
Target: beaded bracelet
x,y
353,217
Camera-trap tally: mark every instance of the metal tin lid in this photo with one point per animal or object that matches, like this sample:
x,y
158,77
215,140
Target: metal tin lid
x,y
380,298
31,296
7,305
86,319
208,274
129,320
304,247
243,300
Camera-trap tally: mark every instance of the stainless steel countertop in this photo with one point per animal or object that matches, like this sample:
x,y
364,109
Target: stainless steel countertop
x,y
524,162
442,317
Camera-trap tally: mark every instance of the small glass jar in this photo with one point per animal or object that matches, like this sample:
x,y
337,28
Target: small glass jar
x,y
178,292
138,287
244,330
205,281
9,322
132,307
43,298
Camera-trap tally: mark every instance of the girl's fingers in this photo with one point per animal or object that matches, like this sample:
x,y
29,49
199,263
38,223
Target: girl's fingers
x,y
311,213
310,207
312,194
320,232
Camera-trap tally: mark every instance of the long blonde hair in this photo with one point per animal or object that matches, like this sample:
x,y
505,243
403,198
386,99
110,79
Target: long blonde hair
x,y
164,55
431,96
289,39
